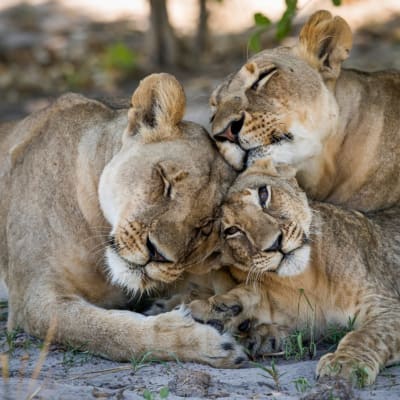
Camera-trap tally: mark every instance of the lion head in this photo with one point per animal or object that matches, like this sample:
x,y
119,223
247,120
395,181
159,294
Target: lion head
x,y
266,221
161,191
281,103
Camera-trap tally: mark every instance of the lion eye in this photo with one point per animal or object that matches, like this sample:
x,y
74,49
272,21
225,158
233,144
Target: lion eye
x,y
167,188
263,196
231,231
207,228
262,76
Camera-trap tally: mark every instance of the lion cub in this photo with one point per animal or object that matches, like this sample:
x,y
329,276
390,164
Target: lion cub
x,y
302,262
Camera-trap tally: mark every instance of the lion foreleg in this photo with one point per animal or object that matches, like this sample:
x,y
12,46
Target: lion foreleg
x,y
364,351
122,335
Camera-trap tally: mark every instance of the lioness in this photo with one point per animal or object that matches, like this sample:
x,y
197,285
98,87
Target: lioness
x,y
307,265
158,182
339,128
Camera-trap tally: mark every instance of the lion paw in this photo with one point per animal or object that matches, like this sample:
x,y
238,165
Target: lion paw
x,y
192,341
264,339
344,366
222,351
222,312
218,349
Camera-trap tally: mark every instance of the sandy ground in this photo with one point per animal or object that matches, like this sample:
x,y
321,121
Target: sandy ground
x,y
67,373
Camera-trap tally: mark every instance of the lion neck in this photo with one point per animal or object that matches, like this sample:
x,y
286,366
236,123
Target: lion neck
x,y
360,127
321,175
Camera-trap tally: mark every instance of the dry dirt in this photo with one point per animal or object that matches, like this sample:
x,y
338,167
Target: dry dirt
x,y
67,373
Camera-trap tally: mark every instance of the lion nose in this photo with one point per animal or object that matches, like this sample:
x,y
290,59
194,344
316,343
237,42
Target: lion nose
x,y
277,245
155,255
231,132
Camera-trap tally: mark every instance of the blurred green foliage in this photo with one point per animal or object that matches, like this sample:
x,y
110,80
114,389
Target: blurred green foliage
x,y
283,27
76,78
262,24
114,62
118,56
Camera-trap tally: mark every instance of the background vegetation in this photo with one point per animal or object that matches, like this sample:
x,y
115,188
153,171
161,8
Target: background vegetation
x,y
48,47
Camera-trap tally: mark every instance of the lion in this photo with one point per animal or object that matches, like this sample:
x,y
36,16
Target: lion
x,y
339,128
100,204
307,265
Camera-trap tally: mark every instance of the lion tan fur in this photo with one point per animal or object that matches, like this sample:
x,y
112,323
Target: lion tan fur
x,y
79,179
351,272
338,127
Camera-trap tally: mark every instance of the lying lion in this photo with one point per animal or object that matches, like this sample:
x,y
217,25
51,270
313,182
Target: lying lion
x,y
339,128
306,265
79,179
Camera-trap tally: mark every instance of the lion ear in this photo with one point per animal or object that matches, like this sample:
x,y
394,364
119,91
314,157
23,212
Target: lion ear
x,y
325,42
157,107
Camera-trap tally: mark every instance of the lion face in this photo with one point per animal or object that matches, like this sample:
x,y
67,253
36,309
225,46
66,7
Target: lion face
x,y
275,106
161,191
266,222
281,103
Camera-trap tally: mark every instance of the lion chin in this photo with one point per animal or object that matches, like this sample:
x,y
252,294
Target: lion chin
x,y
296,262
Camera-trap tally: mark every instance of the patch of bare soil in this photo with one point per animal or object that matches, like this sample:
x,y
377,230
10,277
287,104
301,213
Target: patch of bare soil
x,y
64,372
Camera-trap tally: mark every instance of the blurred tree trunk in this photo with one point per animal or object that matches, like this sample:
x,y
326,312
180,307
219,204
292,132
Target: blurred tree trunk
x,y
164,46
202,28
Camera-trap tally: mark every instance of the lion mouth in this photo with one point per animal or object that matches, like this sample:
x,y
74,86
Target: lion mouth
x,y
231,136
141,278
294,262
231,132
155,254
136,268
242,152
127,274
